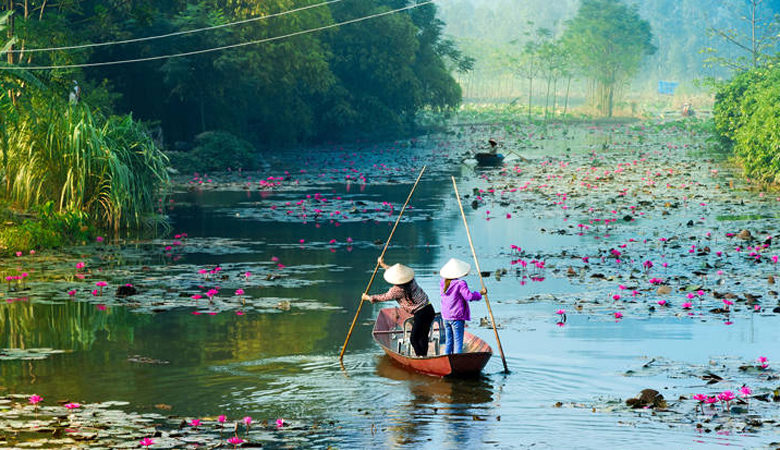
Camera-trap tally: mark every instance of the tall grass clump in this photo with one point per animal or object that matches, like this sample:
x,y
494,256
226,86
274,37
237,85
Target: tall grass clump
x,y
108,168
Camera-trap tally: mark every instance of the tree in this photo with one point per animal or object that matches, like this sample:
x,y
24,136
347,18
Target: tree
x,y
608,41
529,64
195,80
756,46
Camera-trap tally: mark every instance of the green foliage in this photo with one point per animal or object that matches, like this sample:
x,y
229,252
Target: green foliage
x,y
107,168
747,117
216,150
608,41
47,228
361,78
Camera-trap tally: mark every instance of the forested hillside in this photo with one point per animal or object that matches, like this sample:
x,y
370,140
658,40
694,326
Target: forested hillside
x,y
357,79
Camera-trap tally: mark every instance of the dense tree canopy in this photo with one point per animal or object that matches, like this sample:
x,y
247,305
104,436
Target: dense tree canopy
x,y
354,79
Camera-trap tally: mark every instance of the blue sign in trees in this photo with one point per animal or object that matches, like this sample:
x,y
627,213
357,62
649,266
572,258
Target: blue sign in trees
x,y
667,87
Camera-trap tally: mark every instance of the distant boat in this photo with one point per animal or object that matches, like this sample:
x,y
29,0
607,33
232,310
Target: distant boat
x,y
489,159
389,334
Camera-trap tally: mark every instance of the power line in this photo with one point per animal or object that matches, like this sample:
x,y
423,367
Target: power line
x,y
176,33
215,49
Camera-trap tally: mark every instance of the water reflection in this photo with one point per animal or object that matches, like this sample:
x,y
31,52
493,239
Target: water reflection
x,y
451,401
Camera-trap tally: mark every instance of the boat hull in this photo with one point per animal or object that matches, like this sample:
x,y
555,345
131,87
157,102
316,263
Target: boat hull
x,y
489,159
475,356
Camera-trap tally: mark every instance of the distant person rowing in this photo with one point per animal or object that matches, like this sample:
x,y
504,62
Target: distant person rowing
x,y
687,110
489,156
493,146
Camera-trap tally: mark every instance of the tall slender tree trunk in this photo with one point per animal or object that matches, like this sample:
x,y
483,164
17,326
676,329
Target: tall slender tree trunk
x,y
202,115
530,94
547,98
610,97
754,6
555,95
566,103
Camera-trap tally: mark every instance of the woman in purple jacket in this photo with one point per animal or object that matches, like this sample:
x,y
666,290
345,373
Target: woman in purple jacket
x,y
455,298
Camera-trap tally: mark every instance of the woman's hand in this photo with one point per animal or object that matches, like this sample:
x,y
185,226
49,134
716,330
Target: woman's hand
x,y
366,298
483,291
382,263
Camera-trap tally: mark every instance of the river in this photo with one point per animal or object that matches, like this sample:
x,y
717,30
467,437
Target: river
x,y
273,351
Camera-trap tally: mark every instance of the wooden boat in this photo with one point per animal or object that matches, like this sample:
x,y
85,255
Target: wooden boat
x,y
489,159
390,334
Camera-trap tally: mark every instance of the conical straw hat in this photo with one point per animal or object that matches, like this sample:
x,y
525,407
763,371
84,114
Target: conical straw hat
x,y
455,268
399,274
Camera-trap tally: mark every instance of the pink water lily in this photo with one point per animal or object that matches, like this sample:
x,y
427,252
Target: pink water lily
x,y
687,305
239,292
35,399
195,423
221,418
280,423
618,315
745,391
560,312
235,440
72,406
146,442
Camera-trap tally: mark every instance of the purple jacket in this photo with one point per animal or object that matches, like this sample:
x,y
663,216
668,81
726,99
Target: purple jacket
x,y
454,302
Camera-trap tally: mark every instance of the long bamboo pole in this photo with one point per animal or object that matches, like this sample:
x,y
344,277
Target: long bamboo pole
x,y
481,281
376,268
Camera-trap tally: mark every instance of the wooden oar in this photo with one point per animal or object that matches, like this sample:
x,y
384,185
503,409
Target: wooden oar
x,y
481,281
376,268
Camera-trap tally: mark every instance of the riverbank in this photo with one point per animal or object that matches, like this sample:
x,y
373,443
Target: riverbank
x,y
27,232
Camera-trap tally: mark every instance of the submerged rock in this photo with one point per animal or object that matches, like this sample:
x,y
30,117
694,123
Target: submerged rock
x,y
648,398
745,235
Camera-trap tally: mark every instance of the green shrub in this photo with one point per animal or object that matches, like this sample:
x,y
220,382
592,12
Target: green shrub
x,y
48,229
747,117
216,151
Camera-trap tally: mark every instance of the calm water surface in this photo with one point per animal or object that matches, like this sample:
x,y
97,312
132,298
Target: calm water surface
x,y
285,363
